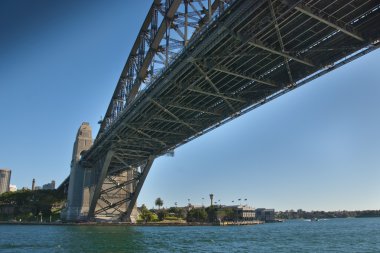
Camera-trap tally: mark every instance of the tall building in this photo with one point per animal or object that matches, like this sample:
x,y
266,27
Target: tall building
x,y
33,184
49,186
5,179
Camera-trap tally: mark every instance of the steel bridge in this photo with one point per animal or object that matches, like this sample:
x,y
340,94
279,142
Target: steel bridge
x,y
197,64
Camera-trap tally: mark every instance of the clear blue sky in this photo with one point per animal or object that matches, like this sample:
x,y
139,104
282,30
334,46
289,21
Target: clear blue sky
x,y
316,148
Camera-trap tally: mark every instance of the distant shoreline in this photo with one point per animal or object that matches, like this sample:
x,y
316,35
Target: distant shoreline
x,y
148,224
154,224
105,224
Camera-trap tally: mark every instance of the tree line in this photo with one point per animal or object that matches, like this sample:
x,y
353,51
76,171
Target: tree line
x,y
27,205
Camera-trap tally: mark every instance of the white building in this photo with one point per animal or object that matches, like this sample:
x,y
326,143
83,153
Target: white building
x,y
12,188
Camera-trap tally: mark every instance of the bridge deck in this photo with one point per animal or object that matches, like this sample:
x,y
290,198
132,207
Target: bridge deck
x,y
254,51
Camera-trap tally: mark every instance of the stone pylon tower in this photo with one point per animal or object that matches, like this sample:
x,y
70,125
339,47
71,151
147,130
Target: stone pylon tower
x,y
82,143
93,194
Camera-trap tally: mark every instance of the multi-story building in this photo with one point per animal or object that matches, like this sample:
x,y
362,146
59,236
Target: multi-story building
x,y
245,212
5,179
264,214
240,213
49,186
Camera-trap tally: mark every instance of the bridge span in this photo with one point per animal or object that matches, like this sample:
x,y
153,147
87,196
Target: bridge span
x,y
194,66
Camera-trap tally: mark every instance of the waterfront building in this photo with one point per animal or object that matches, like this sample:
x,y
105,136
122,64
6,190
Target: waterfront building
x,y
245,212
264,214
5,179
241,212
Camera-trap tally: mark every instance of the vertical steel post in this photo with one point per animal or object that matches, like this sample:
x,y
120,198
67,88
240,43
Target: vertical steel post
x,y
99,184
167,6
138,187
186,20
209,10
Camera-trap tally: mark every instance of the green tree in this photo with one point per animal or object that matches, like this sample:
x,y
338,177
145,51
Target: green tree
x,y
27,204
178,212
211,213
197,215
146,215
159,202
162,214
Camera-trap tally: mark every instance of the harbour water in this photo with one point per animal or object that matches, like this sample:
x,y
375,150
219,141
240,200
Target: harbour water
x,y
333,235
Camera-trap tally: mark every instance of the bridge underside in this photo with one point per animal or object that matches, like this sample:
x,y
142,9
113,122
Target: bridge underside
x,y
252,53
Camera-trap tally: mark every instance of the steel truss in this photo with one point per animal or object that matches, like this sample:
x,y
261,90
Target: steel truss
x,y
166,31
230,59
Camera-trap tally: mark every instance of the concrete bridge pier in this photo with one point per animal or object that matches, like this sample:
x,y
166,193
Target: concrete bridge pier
x,y
83,142
96,194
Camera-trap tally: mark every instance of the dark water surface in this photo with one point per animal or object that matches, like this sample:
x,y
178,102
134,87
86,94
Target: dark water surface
x,y
334,235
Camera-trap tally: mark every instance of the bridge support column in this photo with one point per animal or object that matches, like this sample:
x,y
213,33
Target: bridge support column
x,y
73,210
141,179
99,183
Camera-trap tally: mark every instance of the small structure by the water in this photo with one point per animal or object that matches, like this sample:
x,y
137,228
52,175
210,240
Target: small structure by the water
x,y
266,215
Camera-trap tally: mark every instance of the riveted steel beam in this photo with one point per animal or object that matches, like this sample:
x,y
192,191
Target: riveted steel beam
x,y
118,186
198,90
279,37
234,73
136,151
129,63
161,131
98,187
174,121
137,190
120,160
207,78
154,47
173,115
259,44
111,205
145,134
309,11
193,109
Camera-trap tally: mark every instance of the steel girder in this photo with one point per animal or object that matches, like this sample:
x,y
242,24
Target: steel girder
x,y
196,93
166,30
